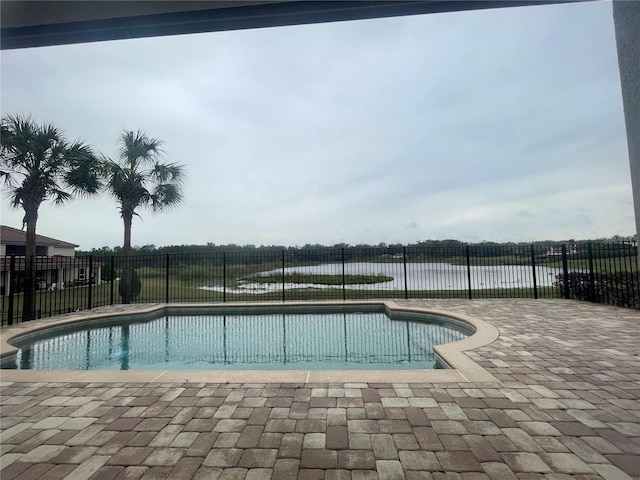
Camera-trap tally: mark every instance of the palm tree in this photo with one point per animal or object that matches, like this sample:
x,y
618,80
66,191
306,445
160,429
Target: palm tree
x,y
139,179
37,164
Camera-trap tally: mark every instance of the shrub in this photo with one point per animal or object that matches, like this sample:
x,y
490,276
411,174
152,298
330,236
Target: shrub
x,y
107,274
618,288
136,285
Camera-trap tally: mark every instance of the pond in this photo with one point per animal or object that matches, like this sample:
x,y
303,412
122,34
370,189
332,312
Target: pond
x,y
419,276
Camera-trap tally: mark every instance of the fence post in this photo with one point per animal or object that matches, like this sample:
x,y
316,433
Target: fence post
x,y
469,271
283,290
224,276
166,293
404,259
344,287
635,277
12,282
113,278
592,278
29,289
90,294
565,271
533,269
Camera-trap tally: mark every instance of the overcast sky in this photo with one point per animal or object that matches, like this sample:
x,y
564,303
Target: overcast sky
x,y
500,125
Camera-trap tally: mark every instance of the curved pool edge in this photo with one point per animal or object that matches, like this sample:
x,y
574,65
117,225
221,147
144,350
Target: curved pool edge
x,y
462,368
453,353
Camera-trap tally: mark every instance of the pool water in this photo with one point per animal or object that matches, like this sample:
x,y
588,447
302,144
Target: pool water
x,y
238,341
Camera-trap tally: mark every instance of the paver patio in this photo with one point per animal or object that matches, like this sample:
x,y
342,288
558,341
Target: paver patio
x,y
567,405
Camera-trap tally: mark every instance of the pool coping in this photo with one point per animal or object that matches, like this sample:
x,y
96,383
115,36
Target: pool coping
x,y
463,368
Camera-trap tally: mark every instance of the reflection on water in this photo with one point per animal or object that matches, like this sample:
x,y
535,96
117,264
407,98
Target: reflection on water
x,y
419,276
274,341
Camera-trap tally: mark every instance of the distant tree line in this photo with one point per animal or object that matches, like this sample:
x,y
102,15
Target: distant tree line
x,y
393,248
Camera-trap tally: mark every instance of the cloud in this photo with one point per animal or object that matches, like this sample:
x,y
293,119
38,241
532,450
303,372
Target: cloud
x,y
388,130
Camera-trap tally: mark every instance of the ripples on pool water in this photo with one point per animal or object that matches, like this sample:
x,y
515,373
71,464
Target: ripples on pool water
x,y
310,341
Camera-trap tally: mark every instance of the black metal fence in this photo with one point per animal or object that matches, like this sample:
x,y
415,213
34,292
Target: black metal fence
x,y
596,272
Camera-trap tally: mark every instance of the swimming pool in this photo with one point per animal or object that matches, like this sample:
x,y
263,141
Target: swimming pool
x,y
236,338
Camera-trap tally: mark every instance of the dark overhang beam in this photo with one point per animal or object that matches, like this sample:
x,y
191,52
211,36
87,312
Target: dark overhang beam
x,y
41,23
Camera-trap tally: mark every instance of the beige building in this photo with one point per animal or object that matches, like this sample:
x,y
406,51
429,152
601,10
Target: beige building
x,y
56,264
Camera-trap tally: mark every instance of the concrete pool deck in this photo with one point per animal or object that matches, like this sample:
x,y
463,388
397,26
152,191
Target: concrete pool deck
x,y
562,400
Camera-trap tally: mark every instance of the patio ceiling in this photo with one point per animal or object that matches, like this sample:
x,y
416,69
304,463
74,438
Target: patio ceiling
x,y
41,23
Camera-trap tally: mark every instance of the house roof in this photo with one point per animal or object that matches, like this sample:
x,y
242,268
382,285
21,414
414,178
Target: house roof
x,y
10,235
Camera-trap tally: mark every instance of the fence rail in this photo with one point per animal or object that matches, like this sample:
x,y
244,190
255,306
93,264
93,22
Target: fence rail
x,y
596,272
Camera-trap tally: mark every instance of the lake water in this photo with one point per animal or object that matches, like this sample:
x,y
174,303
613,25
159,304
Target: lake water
x,y
419,276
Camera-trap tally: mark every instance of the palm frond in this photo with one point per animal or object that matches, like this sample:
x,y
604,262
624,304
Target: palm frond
x,y
165,196
7,178
137,148
138,178
85,173
169,172
59,196
40,164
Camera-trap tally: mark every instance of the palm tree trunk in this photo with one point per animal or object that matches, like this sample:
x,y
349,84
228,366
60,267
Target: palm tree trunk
x,y
29,298
127,218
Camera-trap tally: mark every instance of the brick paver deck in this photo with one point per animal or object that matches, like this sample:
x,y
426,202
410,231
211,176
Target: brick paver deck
x,y
567,406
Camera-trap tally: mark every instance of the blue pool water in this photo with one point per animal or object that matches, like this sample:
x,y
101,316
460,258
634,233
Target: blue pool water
x,y
271,341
